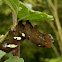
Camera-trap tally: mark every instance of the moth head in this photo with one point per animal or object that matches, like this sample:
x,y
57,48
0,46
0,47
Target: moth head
x,y
48,39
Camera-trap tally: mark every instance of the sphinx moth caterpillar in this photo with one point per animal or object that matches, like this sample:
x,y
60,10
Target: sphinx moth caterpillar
x,y
29,32
33,34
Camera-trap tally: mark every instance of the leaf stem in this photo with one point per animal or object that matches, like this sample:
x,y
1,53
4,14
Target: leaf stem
x,y
14,23
14,19
17,50
4,37
56,52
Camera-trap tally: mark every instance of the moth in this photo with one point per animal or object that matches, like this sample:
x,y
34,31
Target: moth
x,y
29,32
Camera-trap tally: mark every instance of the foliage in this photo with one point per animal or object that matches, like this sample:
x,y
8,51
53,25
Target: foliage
x,y
26,13
14,59
13,4
29,51
8,57
55,60
2,54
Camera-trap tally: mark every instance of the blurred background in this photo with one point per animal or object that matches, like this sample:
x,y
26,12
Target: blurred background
x,y
29,51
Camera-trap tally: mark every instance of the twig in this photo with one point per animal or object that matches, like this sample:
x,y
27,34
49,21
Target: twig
x,y
51,4
55,13
14,19
56,17
56,52
3,38
55,1
52,25
17,50
54,29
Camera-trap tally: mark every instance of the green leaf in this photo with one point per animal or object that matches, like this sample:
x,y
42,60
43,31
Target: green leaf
x,y
13,4
23,11
26,13
0,60
7,56
2,54
14,59
36,15
55,60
